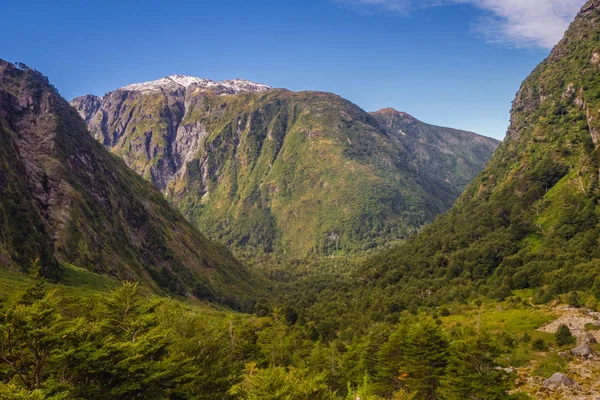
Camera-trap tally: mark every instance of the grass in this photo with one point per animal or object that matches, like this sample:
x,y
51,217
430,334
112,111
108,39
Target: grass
x,y
76,281
11,283
548,364
495,317
81,283
516,321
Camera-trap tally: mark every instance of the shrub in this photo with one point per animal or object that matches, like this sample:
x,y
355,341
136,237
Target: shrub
x,y
539,345
564,336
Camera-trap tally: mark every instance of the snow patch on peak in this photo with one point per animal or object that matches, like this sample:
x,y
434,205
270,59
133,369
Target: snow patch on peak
x,y
174,82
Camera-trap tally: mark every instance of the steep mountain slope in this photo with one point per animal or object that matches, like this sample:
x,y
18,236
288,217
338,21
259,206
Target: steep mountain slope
x,y
531,218
276,171
64,197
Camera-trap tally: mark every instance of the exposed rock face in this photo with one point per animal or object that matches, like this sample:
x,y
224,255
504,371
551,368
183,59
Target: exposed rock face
x,y
583,350
589,338
270,170
576,319
557,380
143,122
73,201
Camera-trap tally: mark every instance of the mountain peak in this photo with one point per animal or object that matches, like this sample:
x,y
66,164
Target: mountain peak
x,y
591,5
389,112
173,82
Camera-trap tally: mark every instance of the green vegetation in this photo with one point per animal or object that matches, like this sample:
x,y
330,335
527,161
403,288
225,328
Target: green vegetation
x,y
119,344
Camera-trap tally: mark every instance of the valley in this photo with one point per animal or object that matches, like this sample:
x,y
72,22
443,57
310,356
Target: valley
x,y
186,238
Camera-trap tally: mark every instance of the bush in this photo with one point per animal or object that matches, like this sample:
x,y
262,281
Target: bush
x,y
591,327
573,300
539,345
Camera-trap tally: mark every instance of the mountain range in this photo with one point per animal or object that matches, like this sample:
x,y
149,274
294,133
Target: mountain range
x,y
291,173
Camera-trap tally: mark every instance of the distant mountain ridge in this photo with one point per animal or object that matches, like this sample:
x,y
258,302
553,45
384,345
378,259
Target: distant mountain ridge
x,y
271,170
455,155
64,198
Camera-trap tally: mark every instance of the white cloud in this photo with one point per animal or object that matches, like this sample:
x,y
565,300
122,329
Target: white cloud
x,y
523,23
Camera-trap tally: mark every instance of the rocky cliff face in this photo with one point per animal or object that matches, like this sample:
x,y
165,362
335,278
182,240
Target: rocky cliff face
x,y
66,199
271,170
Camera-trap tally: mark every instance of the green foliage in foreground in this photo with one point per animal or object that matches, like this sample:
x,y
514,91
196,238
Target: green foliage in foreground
x,y
122,345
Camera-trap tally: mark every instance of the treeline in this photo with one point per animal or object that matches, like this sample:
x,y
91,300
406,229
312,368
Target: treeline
x,y
121,345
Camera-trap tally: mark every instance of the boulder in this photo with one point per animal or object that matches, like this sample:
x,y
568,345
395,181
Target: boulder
x,y
583,350
557,380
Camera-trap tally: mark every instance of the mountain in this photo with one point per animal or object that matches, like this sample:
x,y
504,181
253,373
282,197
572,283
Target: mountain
x,y
456,156
65,199
270,170
531,218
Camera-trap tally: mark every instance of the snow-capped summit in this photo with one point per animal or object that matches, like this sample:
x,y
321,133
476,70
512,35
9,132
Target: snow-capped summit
x,y
231,86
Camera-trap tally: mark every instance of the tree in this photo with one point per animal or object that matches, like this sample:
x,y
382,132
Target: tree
x,y
13,392
539,345
425,358
403,394
30,333
573,300
274,340
596,287
564,336
124,354
277,383
390,360
472,372
37,288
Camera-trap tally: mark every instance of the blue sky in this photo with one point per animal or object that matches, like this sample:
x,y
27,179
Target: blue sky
x,y
456,63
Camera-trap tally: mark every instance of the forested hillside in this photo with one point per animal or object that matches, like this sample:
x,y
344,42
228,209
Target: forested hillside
x,y
530,219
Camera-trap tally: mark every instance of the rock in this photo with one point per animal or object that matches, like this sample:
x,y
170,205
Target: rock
x,y
583,350
557,380
588,338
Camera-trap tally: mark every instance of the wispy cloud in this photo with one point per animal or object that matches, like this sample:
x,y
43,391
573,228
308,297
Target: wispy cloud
x,y
521,23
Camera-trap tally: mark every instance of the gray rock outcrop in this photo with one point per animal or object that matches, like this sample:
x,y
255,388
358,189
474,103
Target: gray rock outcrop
x,y
557,380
